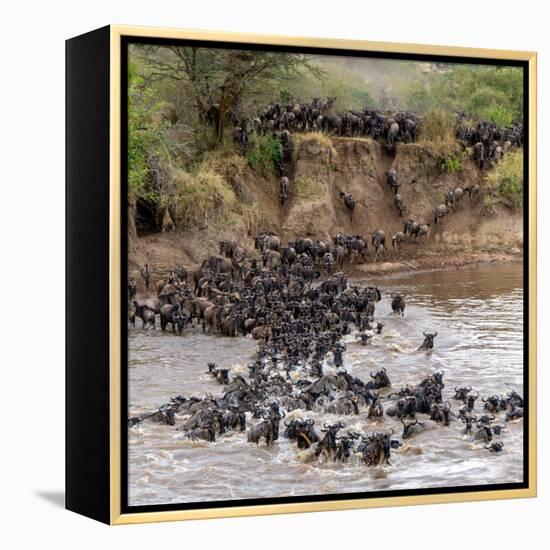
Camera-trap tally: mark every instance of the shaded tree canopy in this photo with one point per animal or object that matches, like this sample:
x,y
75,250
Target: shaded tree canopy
x,y
223,82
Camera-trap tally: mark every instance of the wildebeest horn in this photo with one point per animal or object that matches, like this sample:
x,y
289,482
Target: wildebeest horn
x,y
392,431
477,395
424,334
372,376
469,388
435,334
310,421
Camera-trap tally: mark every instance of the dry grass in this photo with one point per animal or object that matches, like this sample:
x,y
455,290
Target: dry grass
x,y
437,134
305,187
315,137
506,179
252,218
199,195
226,163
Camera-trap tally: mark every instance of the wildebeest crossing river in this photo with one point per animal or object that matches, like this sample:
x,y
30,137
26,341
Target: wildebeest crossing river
x,y
478,314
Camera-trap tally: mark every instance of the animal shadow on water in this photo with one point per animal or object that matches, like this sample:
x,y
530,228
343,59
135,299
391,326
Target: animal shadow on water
x,y
57,498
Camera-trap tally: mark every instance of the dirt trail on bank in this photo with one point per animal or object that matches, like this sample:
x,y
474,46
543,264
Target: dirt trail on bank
x,y
314,209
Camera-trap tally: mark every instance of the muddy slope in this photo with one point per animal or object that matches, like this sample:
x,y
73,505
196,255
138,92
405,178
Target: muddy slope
x,y
315,209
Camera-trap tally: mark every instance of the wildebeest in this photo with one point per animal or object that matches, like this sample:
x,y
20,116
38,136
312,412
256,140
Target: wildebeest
x,y
495,446
420,230
470,401
172,314
398,303
439,213
328,444
263,429
392,181
411,428
344,445
379,380
428,342
473,192
146,274
376,448
376,409
398,239
303,431
206,432
349,202
441,412
399,204
462,393
284,185
378,239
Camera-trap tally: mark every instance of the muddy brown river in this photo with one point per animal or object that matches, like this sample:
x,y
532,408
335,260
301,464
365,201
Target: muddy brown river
x,y
478,313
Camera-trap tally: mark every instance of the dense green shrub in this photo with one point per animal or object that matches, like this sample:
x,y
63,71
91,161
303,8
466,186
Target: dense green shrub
x,y
451,164
266,155
507,179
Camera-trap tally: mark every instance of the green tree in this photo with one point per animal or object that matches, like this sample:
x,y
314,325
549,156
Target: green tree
x,y
220,81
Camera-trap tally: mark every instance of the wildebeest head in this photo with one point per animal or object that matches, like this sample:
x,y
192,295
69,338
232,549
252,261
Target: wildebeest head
x,y
469,422
292,427
365,339
428,340
491,403
381,379
330,431
345,444
462,393
408,427
212,367
484,432
495,447
471,400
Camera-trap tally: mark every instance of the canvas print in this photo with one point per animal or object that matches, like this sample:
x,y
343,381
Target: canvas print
x,y
325,274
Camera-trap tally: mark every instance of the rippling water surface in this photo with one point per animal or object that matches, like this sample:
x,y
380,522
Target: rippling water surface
x,y
478,313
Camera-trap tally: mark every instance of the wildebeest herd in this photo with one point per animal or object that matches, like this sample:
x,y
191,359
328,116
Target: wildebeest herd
x,y
299,369
296,301
489,142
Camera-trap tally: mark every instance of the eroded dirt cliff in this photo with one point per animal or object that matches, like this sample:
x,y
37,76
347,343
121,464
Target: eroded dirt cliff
x,y
319,172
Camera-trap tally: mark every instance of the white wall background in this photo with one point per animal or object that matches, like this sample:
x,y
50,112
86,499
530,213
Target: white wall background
x,y
32,256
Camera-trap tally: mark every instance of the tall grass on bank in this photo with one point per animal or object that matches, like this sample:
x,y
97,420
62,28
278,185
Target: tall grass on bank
x,y
252,217
199,195
437,135
306,187
506,179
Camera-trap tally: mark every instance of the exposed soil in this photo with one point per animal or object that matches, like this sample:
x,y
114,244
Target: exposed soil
x,y
358,166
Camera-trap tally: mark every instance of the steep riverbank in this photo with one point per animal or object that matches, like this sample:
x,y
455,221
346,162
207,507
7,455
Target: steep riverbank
x,y
320,170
